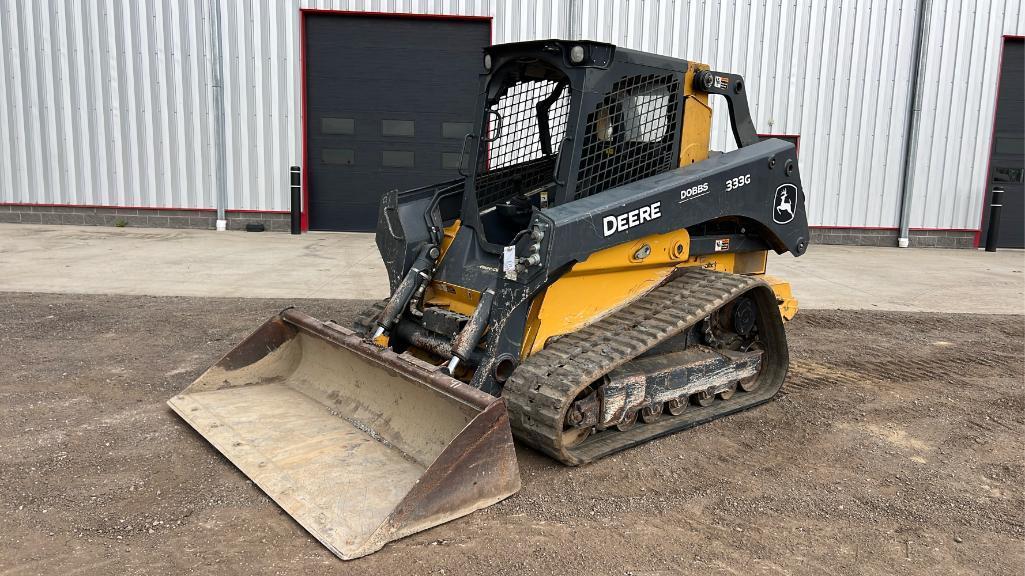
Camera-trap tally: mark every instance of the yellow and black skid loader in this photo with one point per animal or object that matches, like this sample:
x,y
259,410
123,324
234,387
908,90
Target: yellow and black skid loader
x,y
595,280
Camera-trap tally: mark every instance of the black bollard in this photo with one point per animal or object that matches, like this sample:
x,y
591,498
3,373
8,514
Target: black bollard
x,y
996,203
297,200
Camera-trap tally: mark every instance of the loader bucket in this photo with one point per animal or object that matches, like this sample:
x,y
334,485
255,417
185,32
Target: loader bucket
x,y
360,445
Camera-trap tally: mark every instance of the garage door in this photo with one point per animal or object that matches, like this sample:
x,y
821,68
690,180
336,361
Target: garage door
x,y
388,102
1007,156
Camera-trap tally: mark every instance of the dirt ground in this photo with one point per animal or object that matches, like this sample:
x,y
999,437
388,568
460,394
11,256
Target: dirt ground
x,y
896,448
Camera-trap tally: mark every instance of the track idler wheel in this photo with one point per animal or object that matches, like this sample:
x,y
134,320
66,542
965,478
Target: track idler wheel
x,y
651,413
676,406
628,422
729,392
703,399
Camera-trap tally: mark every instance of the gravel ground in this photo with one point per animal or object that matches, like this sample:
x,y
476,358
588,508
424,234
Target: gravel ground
x,y
895,448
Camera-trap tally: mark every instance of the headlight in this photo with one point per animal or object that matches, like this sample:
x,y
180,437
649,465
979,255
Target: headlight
x,y
576,54
487,62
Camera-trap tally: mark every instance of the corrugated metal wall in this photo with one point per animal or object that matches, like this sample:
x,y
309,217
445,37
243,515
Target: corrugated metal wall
x,y
109,102
838,73
814,68
105,102
961,73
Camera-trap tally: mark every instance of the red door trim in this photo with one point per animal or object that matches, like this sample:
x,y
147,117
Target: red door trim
x,y
303,12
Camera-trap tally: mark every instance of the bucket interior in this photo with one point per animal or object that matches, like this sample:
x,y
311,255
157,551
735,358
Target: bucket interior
x,y
337,438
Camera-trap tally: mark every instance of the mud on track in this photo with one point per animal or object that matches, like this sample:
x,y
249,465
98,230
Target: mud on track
x,y
895,448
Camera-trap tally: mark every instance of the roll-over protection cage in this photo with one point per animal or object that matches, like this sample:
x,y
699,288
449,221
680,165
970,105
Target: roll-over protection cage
x,y
564,120
563,124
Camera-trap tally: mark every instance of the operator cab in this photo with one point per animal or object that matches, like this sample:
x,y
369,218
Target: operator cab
x,y
537,99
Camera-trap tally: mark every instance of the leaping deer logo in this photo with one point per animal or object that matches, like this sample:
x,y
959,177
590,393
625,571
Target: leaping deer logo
x,y
783,211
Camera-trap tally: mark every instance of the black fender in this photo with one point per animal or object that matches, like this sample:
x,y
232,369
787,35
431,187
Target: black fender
x,y
759,183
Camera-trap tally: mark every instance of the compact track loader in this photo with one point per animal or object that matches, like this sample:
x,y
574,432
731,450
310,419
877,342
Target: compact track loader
x,y
595,280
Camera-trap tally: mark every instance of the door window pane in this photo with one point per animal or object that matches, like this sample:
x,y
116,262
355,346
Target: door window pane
x,y
337,125
397,128
455,129
337,156
397,159
450,160
1001,174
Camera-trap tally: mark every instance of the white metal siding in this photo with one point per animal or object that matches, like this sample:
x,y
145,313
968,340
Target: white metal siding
x,y
838,73
109,102
962,69
105,103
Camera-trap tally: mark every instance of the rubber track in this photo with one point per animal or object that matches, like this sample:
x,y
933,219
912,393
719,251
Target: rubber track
x,y
541,389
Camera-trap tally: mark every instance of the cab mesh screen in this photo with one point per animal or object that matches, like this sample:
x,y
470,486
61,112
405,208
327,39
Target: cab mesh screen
x,y
525,129
631,134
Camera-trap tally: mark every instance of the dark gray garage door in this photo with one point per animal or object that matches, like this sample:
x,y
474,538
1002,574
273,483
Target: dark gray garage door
x,y
1007,160
388,102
